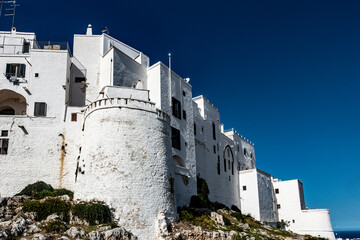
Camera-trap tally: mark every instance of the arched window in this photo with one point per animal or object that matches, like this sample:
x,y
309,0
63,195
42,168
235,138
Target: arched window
x,y
12,103
229,158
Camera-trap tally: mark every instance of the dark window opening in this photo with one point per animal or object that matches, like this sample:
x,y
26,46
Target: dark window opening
x,y
4,144
40,109
202,129
293,220
36,74
15,69
175,138
80,79
194,129
278,206
184,93
245,152
277,191
218,165
26,47
74,117
4,133
184,114
214,149
229,178
7,111
232,168
224,165
213,129
244,188
176,108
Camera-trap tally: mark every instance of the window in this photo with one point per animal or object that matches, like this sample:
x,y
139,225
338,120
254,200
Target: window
x,y
26,47
15,69
175,138
74,117
184,93
4,144
214,149
184,114
194,129
244,188
40,109
202,129
36,74
80,79
232,168
238,148
293,220
213,129
224,165
4,133
218,165
277,191
278,206
245,152
176,108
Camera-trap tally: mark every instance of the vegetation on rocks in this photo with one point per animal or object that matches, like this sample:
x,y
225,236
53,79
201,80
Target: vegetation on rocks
x,y
93,212
47,207
40,190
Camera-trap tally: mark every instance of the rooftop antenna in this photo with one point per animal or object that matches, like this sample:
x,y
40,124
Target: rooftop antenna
x,y
1,5
106,30
13,9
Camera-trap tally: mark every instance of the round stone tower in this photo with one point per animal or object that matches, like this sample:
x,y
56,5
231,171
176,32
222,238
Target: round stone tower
x,y
125,161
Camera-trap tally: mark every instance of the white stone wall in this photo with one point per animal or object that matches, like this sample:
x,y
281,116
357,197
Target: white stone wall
x,y
126,161
303,221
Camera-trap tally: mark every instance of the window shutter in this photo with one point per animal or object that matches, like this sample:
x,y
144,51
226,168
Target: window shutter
x,y
22,70
8,69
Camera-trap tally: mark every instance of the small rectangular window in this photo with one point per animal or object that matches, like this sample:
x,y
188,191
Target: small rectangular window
x,y
4,133
15,69
184,114
26,47
80,79
244,188
194,129
278,206
176,108
36,74
40,109
218,165
175,138
74,117
277,191
4,144
213,129
184,93
214,149
293,220
224,165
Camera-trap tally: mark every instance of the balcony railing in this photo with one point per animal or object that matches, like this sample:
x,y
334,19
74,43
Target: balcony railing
x,y
52,45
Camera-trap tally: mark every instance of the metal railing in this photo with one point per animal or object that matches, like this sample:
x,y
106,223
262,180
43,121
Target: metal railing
x,y
52,45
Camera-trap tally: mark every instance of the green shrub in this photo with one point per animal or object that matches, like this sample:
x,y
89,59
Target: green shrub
x,y
237,237
48,207
202,189
281,225
227,221
197,202
93,212
238,216
196,218
32,189
235,208
55,226
40,190
216,206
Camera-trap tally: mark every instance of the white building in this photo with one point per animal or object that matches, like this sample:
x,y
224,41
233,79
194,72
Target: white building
x,y
104,123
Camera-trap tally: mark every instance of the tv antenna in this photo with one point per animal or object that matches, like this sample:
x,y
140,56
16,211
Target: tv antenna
x,y
12,10
106,30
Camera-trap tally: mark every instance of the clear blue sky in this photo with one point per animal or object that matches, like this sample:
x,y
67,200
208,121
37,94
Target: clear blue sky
x,y
285,74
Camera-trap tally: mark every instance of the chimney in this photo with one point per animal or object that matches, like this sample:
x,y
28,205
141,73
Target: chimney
x,y
89,30
13,30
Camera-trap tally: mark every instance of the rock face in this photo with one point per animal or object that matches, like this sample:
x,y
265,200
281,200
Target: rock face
x,y
16,224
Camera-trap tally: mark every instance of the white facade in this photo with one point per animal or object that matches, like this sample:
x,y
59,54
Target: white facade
x,y
104,123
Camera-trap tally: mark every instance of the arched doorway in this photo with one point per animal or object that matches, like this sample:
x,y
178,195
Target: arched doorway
x,y
12,103
229,158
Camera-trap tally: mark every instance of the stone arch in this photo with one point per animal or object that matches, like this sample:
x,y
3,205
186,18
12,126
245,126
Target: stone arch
x,y
178,161
12,103
229,158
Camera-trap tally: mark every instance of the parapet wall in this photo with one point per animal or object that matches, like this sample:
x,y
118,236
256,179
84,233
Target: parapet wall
x,y
126,161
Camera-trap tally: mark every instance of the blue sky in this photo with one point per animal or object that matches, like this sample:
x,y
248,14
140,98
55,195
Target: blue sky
x,y
285,74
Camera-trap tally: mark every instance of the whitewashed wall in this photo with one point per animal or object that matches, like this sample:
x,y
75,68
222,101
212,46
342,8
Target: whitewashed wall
x,y
126,161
